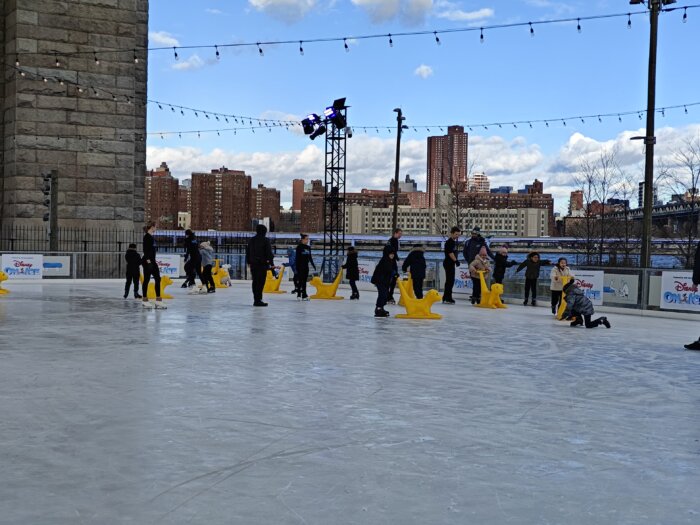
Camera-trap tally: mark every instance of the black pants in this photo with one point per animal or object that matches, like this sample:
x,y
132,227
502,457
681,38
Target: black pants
x,y
193,268
207,279
531,284
295,280
476,294
449,267
353,286
498,279
382,295
302,278
151,270
556,300
587,319
418,288
259,274
392,285
132,276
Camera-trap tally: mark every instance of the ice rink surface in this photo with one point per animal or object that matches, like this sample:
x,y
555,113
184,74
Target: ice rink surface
x,y
317,413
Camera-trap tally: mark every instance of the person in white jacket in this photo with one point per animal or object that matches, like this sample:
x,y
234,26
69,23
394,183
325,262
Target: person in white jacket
x,y
561,269
207,253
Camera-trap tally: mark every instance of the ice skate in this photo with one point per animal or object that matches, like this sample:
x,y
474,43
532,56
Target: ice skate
x,y
148,305
448,301
695,345
160,305
605,322
304,297
381,312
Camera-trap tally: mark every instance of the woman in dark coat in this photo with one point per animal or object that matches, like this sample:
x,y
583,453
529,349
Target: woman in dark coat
x,y
352,272
415,262
381,278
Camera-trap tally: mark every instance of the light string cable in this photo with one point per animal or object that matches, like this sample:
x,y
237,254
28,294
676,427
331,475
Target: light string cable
x,y
137,54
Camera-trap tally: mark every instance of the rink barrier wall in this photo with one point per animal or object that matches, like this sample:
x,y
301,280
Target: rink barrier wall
x,y
625,288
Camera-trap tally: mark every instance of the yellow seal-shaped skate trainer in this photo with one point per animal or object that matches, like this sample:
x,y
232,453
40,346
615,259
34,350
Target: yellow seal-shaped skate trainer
x,y
272,285
165,281
3,277
560,313
490,298
222,279
417,308
326,290
409,290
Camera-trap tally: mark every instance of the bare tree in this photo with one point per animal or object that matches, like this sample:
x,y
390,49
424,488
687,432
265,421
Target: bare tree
x,y
584,229
625,229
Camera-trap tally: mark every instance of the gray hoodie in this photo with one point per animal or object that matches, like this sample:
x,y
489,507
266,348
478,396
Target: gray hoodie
x,y
577,302
207,253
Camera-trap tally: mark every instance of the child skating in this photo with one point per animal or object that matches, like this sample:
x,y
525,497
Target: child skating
x,y
480,263
533,263
206,253
560,270
579,308
133,271
352,272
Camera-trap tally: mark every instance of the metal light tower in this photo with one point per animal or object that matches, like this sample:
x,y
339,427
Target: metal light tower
x,y
399,128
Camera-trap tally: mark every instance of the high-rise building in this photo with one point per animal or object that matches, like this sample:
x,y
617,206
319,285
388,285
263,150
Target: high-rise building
x,y
297,193
185,196
502,189
479,183
161,198
447,161
408,185
95,143
265,203
576,203
221,200
640,196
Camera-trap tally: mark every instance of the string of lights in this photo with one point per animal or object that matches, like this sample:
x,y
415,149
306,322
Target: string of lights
x,y
222,116
138,54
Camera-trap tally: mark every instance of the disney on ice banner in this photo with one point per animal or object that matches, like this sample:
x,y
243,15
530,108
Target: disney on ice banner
x,y
678,291
169,265
23,266
463,280
592,285
366,268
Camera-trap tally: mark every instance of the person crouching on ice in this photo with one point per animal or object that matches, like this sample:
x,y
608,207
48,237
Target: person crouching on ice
x,y
415,263
381,278
580,308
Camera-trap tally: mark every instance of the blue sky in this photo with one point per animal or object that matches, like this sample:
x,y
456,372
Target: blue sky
x,y
511,76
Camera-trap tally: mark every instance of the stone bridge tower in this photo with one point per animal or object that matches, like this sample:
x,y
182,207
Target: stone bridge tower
x,y
90,128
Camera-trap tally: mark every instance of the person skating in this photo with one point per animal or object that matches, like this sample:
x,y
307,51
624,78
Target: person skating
x,y
474,244
480,263
259,258
533,263
415,263
133,271
352,271
303,259
449,263
150,267
207,257
561,269
695,345
500,263
292,264
393,242
381,278
579,306
193,260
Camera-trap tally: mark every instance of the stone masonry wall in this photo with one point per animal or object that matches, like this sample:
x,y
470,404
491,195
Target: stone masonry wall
x,y
46,125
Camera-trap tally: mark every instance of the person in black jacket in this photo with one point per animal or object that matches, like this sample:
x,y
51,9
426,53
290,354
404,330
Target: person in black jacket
x,y
259,258
133,271
474,245
415,262
352,272
381,278
449,264
501,262
193,259
303,259
394,244
695,345
150,267
533,263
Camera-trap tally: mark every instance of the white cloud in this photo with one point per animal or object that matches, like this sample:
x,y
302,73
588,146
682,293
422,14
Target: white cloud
x,y
163,38
411,12
458,15
285,10
423,71
214,11
190,63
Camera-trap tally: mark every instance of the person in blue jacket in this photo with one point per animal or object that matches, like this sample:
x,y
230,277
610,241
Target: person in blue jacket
x,y
292,264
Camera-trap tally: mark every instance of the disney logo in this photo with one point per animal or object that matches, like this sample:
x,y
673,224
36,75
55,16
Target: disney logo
x,y
21,264
682,286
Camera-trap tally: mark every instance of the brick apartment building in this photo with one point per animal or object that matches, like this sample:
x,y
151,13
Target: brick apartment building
x,y
221,200
161,197
185,196
447,161
265,202
297,193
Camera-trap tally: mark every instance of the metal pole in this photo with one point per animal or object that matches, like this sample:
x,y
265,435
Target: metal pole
x,y
53,213
650,139
399,124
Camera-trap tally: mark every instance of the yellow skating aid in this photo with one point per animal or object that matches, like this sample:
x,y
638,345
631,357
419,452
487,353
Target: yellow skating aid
x,y
417,308
326,291
560,313
3,277
222,279
165,281
490,298
272,285
409,290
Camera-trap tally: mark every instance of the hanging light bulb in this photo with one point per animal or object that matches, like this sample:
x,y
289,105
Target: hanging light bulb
x,y
95,92
159,106
182,112
80,89
17,60
391,42
207,115
58,62
685,109
563,122
583,121
97,60
481,38
600,119
530,124
546,123
60,81
172,108
532,29
345,43
260,51
45,79
301,48
136,57
619,118
640,116
578,25
226,119
437,39
114,98
663,112
218,55
629,21
128,99
175,53
685,15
